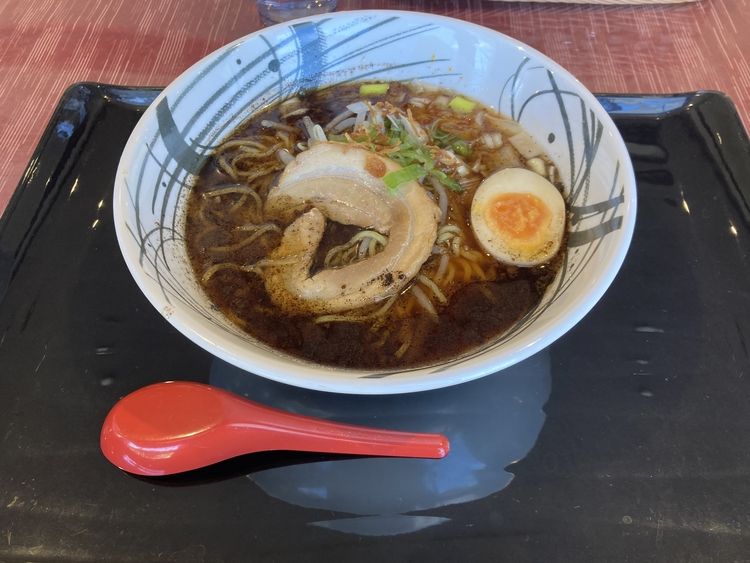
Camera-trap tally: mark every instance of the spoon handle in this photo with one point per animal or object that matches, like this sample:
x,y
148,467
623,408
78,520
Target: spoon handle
x,y
303,433
274,429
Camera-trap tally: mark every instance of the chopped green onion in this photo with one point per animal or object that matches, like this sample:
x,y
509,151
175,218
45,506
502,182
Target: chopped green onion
x,y
415,158
445,140
442,138
462,148
446,180
407,155
398,177
339,138
373,89
461,105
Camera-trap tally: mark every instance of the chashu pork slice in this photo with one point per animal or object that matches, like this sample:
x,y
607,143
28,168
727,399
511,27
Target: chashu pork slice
x,y
344,184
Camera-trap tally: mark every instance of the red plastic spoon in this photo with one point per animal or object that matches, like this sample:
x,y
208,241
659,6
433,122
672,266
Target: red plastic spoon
x,y
177,426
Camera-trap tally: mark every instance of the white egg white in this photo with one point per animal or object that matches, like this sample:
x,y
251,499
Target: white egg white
x,y
532,250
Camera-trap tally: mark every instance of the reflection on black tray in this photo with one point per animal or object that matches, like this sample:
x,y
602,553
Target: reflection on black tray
x,y
491,423
643,453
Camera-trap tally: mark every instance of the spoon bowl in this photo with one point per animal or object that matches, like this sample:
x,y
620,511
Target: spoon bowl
x,y
179,426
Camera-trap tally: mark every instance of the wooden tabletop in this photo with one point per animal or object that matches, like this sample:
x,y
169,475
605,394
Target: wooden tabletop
x,y
45,45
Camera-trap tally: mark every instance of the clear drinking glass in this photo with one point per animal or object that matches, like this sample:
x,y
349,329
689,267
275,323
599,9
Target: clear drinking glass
x,y
276,11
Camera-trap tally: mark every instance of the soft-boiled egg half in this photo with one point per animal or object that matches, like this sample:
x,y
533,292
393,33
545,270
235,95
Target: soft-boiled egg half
x,y
518,217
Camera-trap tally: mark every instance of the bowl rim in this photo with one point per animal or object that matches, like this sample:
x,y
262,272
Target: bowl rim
x,y
286,369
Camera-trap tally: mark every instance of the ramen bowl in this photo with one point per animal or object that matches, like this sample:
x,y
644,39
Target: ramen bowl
x,y
206,103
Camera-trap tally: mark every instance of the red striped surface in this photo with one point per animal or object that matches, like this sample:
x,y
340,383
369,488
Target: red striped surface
x,y
45,45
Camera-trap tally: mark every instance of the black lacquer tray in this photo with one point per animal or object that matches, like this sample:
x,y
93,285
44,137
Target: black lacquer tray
x,y
627,440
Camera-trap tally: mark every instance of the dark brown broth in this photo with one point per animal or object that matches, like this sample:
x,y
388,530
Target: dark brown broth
x,y
475,314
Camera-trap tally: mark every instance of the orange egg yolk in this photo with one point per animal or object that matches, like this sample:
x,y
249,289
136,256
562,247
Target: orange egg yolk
x,y
518,216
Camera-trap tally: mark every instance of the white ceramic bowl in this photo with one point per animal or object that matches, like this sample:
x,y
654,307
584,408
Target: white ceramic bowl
x,y
216,94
